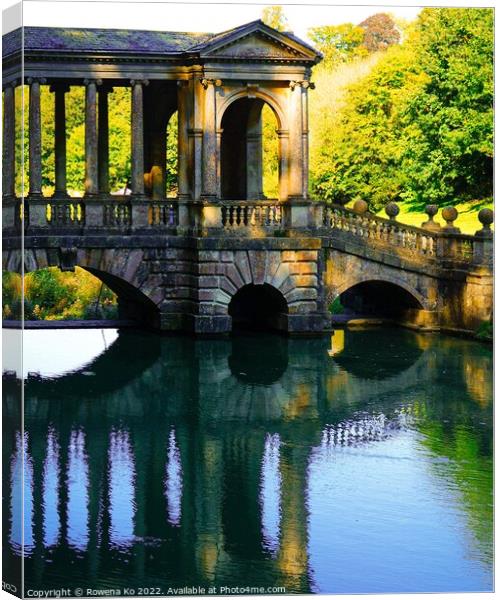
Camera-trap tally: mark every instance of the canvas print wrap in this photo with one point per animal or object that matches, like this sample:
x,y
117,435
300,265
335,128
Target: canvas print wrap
x,y
247,299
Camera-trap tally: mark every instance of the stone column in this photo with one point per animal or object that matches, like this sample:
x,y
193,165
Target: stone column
x,y
219,133
295,151
283,163
137,155
60,138
35,138
183,150
103,140
305,137
9,142
91,171
209,153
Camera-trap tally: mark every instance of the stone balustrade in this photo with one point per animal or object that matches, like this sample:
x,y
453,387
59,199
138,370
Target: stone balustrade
x,y
251,214
430,241
247,218
73,215
380,231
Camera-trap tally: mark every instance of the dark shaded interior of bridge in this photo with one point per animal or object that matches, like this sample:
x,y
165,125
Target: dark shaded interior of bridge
x,y
258,308
379,299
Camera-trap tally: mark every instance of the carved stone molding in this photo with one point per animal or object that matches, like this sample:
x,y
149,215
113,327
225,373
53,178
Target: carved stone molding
x,y
305,84
139,82
206,82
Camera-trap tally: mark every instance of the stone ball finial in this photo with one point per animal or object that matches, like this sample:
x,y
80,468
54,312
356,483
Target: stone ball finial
x,y
431,210
485,217
449,214
392,210
360,207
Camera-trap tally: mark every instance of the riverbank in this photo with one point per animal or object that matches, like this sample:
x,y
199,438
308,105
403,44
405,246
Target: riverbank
x,y
76,324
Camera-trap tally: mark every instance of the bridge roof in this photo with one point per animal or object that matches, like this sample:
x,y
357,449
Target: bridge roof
x,y
70,40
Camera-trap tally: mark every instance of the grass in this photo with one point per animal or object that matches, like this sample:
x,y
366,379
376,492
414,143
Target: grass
x,y
467,220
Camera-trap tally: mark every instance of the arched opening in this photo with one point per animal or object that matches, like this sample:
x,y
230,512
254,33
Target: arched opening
x,y
258,308
377,299
160,139
249,151
85,294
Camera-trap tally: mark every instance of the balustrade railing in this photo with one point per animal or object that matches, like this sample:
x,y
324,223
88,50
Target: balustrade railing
x,y
107,214
255,218
162,214
251,214
117,215
65,214
381,232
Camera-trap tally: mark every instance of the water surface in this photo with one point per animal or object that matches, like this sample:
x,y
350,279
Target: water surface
x,y
254,461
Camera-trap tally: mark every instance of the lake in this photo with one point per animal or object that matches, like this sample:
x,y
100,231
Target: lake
x,y
254,463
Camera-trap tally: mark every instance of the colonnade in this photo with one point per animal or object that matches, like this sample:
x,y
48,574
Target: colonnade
x,y
96,138
201,104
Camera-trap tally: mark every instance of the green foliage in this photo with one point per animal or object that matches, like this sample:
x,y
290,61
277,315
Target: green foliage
x,y
338,43
275,17
336,307
270,153
172,137
485,331
50,294
417,127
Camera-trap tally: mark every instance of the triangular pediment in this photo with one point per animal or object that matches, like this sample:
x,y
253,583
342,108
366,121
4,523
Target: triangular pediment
x,y
258,41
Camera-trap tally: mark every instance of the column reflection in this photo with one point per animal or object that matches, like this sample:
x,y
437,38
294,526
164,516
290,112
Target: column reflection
x,y
173,481
122,475
51,476
78,492
270,493
21,469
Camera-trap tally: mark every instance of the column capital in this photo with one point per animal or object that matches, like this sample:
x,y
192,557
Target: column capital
x,y
59,87
283,133
304,83
206,82
40,80
134,82
11,84
87,82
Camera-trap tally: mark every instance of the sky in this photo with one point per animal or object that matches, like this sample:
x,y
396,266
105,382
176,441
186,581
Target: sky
x,y
175,16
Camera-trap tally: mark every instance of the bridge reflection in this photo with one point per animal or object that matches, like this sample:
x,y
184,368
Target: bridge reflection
x,y
198,467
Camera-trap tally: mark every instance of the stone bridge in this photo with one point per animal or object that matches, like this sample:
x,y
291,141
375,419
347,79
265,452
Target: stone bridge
x,y
219,254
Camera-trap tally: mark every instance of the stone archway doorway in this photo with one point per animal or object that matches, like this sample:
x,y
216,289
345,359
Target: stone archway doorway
x,y
250,154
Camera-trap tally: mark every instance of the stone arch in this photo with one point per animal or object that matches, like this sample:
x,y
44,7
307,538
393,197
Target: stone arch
x,y
387,298
258,306
393,281
240,148
266,96
124,271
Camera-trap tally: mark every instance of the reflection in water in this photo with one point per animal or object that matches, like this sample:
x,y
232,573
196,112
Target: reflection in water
x,y
173,481
270,493
78,492
51,520
367,471
21,467
121,490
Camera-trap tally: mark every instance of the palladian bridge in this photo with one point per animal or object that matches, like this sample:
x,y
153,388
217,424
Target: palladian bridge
x,y
220,253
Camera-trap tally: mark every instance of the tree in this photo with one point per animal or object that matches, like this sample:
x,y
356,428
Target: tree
x,y
419,126
275,17
338,43
380,32
449,152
